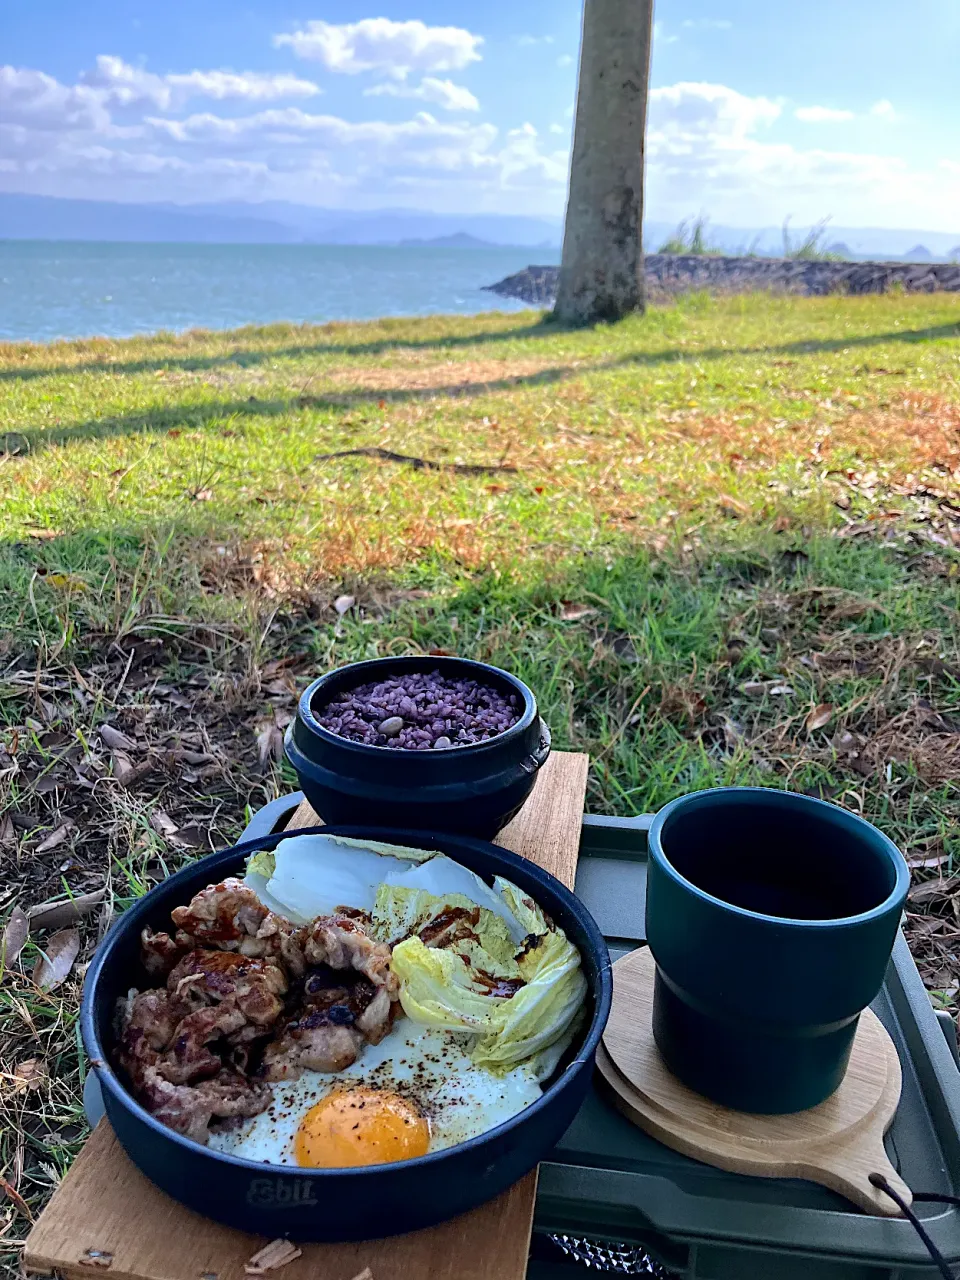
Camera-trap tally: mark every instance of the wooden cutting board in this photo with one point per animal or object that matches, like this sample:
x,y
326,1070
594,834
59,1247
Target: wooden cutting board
x,y
107,1217
837,1144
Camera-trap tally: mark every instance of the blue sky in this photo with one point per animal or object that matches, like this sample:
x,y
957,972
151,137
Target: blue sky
x,y
757,111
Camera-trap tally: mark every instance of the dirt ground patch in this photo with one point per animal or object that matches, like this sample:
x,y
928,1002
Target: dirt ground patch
x,y
451,377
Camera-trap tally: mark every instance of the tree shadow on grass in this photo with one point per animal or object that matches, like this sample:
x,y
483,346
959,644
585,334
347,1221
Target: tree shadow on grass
x,y
250,357
246,357
172,417
194,416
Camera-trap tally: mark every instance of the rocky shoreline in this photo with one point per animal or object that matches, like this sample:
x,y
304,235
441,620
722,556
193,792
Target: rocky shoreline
x,y
671,274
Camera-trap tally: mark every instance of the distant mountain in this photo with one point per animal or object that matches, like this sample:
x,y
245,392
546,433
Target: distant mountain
x,y
394,226
48,218
919,253
26,217
459,240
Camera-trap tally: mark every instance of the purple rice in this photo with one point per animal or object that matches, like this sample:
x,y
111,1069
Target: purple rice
x,y
435,712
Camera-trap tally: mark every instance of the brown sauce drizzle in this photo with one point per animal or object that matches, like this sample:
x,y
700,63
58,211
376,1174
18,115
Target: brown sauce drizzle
x,y
494,986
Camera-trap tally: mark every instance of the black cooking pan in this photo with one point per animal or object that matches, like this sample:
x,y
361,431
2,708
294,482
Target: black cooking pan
x,y
340,1204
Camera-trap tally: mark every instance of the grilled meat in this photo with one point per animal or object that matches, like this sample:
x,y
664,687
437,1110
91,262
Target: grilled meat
x,y
250,985
189,1108
341,942
229,969
222,914
230,917
159,952
341,1011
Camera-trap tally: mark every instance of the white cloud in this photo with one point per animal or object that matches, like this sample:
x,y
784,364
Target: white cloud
x,y
708,147
661,37
707,24
253,86
884,110
421,140
823,115
442,93
529,40
117,83
522,163
687,111
38,101
565,60
382,45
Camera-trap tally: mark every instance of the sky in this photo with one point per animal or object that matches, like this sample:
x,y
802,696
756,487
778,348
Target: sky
x,y
758,111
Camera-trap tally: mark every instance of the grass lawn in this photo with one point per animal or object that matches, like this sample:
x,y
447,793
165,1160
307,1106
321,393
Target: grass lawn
x,y
722,543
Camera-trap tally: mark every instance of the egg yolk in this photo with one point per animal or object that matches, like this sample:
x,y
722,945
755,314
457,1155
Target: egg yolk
x,y
360,1126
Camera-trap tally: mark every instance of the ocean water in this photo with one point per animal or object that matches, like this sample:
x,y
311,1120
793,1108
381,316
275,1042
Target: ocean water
x,y
70,289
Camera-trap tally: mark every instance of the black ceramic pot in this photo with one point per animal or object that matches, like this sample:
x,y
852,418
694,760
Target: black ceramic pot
x,y
475,789
341,1204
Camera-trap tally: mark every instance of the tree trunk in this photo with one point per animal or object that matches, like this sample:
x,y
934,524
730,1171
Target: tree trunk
x,y
601,272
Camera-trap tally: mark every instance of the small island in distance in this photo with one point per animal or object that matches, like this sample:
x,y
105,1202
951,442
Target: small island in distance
x,y
458,240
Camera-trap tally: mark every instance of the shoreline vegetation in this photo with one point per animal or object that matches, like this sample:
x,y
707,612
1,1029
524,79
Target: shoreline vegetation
x,y
721,542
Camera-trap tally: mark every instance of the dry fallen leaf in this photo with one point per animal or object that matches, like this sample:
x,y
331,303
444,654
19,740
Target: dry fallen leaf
x,y
819,716
123,768
29,1075
732,733
65,911
272,1256
932,889
8,836
162,823
192,837
755,688
54,839
202,495
853,609
57,958
15,1198
343,604
916,864
269,743
116,740
14,936
571,611
126,772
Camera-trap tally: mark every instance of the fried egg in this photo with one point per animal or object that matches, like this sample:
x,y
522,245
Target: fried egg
x,y
416,1092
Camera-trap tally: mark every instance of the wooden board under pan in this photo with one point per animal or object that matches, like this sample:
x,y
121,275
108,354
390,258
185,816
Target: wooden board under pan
x,y
107,1218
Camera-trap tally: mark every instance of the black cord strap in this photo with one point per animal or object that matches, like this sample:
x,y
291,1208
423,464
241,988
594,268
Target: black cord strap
x,y
879,1181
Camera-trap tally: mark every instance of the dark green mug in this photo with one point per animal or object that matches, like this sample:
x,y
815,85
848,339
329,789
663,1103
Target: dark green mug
x,y
771,917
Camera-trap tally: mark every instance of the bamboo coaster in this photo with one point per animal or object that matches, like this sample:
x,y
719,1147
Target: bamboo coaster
x,y
837,1144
